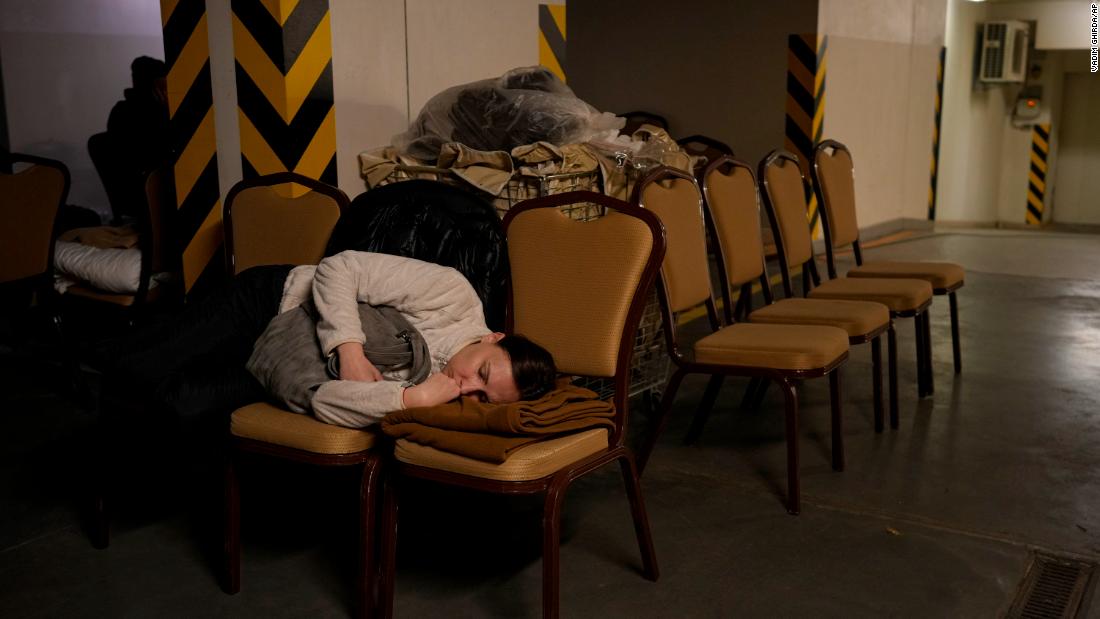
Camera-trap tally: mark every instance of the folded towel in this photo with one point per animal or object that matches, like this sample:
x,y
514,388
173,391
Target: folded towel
x,y
491,432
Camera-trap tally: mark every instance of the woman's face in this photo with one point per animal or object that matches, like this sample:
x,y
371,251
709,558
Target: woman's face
x,y
483,369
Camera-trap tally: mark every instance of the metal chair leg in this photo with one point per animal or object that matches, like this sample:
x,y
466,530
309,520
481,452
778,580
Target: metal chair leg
x,y
388,550
641,520
714,386
955,331
892,368
876,382
232,545
837,422
918,333
551,546
929,378
368,536
790,396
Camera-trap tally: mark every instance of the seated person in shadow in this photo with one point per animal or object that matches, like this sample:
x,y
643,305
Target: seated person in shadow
x,y
137,139
195,363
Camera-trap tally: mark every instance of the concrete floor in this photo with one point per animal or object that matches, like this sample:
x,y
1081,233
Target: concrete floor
x,y
936,519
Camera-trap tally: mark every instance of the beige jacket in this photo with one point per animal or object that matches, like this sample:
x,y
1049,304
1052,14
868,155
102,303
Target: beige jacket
x,y
437,300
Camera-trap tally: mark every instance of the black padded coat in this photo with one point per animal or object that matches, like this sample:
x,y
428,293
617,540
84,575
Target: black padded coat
x,y
433,222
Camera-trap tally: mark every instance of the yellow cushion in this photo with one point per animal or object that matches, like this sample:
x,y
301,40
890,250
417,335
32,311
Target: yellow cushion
x,y
263,422
532,462
939,274
899,295
857,318
781,347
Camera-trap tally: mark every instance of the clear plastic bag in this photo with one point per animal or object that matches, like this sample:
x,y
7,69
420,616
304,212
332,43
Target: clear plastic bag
x,y
523,106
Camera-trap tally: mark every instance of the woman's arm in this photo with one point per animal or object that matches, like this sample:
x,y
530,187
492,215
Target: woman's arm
x,y
423,291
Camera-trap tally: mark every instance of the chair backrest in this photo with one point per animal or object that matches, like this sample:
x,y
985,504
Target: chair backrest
x,y
637,118
674,196
29,202
834,181
578,287
730,190
706,148
783,189
264,226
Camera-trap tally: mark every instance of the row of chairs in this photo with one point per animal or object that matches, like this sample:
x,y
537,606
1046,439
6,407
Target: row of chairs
x,y
795,337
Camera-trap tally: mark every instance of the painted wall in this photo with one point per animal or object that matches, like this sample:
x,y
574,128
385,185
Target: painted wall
x,y
880,98
715,67
65,64
984,158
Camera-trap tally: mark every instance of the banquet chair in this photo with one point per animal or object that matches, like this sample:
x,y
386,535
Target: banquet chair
x,y
29,202
577,289
782,353
733,212
158,279
833,180
783,190
264,225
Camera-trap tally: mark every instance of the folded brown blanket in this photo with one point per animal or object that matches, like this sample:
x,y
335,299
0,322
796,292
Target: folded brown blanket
x,y
491,432
103,237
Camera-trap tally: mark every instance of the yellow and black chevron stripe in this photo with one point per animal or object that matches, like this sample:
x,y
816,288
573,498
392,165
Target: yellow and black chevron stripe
x,y
552,38
283,52
1037,175
805,109
191,108
936,138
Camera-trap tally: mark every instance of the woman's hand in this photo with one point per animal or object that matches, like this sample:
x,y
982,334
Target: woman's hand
x,y
437,389
354,364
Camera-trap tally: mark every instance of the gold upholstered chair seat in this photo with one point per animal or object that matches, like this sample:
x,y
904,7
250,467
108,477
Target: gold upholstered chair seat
x,y
941,275
856,318
533,461
786,347
269,424
900,295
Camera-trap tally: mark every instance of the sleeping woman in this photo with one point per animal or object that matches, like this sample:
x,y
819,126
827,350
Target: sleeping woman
x,y
229,349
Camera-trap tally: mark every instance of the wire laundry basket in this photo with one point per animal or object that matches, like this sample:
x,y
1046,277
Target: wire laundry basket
x,y
650,365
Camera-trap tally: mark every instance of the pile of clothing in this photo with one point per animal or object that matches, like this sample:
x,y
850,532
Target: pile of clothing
x,y
526,123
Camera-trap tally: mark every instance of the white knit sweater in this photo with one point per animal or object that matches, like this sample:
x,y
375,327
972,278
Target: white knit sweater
x,y
437,300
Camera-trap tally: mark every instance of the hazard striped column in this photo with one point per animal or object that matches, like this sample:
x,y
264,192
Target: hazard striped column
x,y
805,109
283,51
191,109
552,38
935,172
1037,175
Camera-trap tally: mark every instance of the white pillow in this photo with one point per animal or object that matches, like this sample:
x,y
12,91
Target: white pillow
x,y
111,270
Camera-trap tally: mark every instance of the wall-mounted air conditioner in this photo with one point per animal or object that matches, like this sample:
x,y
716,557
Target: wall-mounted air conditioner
x,y
1004,51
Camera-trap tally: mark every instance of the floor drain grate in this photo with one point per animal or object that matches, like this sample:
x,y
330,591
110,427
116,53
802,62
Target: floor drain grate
x,y
1053,588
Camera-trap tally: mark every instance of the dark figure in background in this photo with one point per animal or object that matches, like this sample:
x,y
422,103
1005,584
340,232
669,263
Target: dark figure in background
x,y
137,139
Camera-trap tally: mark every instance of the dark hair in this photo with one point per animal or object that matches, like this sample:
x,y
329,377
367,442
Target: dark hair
x,y
533,366
145,70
